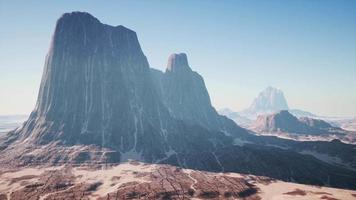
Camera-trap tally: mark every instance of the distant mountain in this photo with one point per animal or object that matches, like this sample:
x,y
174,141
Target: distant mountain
x,y
268,101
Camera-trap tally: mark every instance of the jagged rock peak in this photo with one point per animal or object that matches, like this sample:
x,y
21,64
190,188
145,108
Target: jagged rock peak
x,y
77,15
81,31
271,91
269,100
177,62
84,17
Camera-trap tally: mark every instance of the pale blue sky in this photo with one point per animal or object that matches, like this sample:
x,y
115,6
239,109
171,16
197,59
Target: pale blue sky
x,y
307,48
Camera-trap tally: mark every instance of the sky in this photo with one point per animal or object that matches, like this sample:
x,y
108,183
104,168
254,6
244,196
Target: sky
x,y
307,48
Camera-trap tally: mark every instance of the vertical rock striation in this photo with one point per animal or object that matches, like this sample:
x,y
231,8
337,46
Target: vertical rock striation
x,y
184,93
97,89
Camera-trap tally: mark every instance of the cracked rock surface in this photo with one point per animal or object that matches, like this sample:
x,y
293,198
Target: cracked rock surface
x,y
135,180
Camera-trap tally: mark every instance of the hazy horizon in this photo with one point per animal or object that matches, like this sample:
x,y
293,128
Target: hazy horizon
x,y
305,48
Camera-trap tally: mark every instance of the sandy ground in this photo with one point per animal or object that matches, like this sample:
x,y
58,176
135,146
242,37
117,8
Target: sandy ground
x,y
282,190
113,178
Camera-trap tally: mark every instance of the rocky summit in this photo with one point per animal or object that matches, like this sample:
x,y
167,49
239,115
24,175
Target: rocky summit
x,y
100,103
268,101
185,95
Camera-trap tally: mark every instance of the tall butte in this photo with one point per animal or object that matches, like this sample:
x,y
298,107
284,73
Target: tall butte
x,y
96,89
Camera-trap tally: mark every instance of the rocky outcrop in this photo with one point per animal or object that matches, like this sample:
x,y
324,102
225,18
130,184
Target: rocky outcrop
x,y
185,95
316,123
283,121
